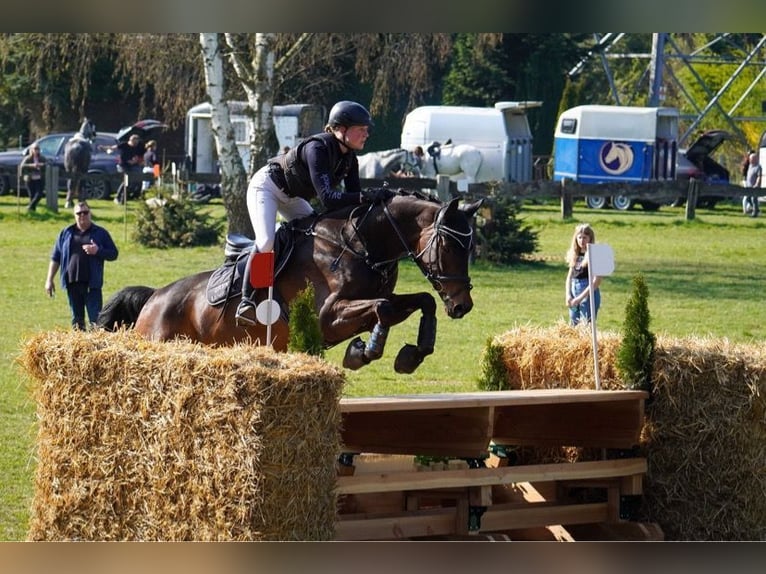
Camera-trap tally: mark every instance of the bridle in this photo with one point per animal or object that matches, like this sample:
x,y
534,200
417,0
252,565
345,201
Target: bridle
x,y
432,269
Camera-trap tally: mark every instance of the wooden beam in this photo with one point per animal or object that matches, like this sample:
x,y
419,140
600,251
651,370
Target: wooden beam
x,y
405,481
499,517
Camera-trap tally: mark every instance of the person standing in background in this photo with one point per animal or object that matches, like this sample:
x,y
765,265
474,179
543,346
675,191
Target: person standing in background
x,y
151,163
577,288
32,168
753,180
79,254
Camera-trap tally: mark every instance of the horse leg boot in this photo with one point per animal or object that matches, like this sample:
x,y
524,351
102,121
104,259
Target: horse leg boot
x,y
359,354
411,356
245,316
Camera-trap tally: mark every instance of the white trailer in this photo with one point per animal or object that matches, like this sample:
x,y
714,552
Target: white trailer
x,y
501,133
292,123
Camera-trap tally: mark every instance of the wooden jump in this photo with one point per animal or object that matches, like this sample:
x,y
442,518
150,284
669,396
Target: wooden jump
x,y
403,502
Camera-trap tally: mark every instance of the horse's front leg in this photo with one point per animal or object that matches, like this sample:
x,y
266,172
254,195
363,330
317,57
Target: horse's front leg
x,y
343,318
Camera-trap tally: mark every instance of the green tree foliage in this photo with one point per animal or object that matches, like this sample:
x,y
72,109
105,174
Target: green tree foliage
x,y
487,68
176,223
502,237
635,356
305,333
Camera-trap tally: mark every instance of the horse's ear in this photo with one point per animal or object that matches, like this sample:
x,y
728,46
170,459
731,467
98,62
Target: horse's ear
x,y
453,206
470,209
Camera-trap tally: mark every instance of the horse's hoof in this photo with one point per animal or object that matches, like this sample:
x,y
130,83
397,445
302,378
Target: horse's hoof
x,y
408,359
355,358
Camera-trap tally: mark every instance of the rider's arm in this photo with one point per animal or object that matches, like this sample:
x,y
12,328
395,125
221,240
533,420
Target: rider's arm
x,y
318,162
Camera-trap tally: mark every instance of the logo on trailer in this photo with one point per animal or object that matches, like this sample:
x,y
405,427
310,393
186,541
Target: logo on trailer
x,y
615,158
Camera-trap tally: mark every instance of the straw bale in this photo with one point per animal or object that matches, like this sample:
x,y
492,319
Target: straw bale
x,y
177,441
705,431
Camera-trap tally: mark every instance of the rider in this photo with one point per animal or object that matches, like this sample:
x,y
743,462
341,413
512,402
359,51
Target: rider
x,y
312,169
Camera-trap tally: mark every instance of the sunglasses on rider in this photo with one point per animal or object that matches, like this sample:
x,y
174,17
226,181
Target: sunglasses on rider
x,y
86,212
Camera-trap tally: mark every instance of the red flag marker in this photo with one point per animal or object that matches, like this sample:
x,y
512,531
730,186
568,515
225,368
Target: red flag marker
x,y
262,270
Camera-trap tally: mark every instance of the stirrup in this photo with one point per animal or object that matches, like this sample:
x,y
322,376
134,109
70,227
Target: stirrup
x,y
243,320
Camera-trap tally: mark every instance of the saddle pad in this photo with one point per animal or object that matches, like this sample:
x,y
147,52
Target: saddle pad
x,y
226,281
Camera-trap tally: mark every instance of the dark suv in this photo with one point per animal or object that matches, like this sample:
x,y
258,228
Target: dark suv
x,y
52,147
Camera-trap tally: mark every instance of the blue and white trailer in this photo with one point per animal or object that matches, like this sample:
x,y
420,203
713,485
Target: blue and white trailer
x,y
605,144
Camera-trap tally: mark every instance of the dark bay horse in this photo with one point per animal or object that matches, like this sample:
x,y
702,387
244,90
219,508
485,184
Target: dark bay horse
x,y
351,258
77,152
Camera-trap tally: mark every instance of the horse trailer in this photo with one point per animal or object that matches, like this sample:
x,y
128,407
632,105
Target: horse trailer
x,y
501,133
292,123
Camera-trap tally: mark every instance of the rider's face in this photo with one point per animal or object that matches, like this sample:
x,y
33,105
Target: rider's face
x,y
356,136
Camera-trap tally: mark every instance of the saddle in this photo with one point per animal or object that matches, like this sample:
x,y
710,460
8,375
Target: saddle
x,y
226,281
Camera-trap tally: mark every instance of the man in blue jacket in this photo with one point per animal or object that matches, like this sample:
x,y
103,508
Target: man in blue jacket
x,y
79,254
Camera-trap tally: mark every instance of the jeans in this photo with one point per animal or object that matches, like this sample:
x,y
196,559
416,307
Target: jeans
x,y
581,312
82,299
35,188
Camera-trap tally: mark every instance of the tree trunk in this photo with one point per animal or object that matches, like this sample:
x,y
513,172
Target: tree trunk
x,y
233,175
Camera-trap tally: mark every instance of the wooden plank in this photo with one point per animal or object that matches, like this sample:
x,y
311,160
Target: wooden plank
x,y
461,432
500,517
610,424
421,523
405,481
485,399
462,424
439,522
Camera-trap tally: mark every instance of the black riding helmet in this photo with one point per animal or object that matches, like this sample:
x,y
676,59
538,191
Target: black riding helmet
x,y
347,113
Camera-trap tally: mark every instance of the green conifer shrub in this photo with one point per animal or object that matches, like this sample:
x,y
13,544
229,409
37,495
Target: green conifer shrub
x,y
178,222
305,333
492,377
503,238
635,356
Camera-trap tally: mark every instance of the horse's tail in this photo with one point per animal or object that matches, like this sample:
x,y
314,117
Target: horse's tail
x,y
122,308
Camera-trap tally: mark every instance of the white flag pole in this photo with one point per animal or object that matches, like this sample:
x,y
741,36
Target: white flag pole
x,y
600,259
592,303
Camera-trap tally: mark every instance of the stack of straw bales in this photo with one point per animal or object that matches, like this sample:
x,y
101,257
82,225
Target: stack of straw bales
x,y
705,431
178,441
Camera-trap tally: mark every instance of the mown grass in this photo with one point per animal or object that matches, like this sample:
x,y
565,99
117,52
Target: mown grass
x,y
705,278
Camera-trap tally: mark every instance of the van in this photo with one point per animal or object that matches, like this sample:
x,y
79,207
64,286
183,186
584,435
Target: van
x,y
501,133
607,144
292,123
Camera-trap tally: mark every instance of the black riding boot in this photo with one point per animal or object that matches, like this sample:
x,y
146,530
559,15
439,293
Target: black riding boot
x,y
245,316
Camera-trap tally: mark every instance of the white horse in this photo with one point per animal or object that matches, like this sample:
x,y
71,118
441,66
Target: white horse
x,y
383,164
451,159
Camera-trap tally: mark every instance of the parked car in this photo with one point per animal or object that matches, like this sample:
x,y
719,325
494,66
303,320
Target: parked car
x,y
52,147
696,162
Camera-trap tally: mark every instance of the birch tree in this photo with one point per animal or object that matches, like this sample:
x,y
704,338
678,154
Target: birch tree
x,y
233,175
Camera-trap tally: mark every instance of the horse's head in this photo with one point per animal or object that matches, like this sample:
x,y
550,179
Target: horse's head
x,y
444,257
412,162
88,129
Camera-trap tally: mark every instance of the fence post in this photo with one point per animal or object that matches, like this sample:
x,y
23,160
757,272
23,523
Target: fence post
x,y
52,187
691,198
566,200
442,188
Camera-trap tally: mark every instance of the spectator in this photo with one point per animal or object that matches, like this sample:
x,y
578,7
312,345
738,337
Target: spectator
x,y
753,180
79,254
131,161
577,287
33,163
151,163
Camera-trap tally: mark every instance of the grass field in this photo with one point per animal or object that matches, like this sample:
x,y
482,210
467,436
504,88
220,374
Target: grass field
x,y
704,278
